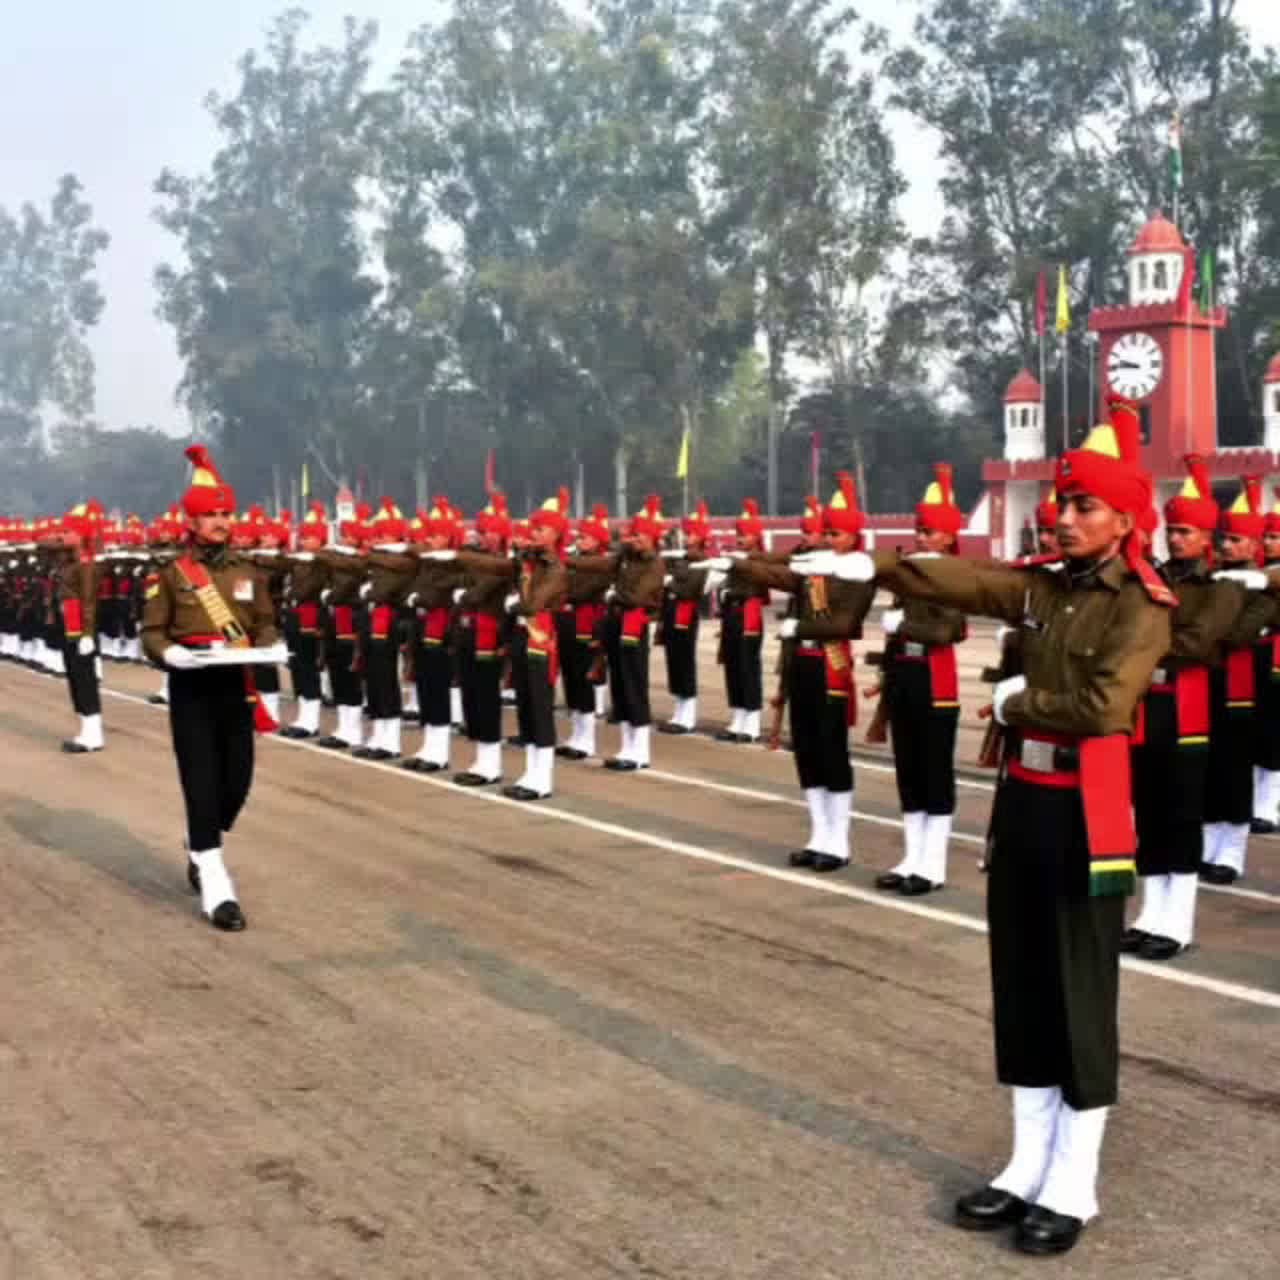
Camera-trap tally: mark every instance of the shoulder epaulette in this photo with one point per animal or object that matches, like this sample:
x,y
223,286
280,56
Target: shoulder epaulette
x,y
1154,584
1038,562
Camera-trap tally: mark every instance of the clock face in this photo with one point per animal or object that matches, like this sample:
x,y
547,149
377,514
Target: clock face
x,y
1134,365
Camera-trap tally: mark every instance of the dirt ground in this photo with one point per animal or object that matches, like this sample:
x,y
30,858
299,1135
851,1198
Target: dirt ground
x,y
608,1035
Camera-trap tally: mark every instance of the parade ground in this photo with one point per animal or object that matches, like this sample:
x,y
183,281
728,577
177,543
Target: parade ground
x,y
605,1035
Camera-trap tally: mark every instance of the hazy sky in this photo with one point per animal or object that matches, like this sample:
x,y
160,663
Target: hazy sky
x,y
112,92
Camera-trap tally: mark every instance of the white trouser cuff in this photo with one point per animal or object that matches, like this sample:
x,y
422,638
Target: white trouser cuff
x,y
1071,1184
937,835
1235,843
816,799
1151,917
913,825
215,884
1179,920
1035,1122
839,807
640,744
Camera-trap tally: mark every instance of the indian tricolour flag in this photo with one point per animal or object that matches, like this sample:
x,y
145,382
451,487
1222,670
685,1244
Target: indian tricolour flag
x,y
1175,154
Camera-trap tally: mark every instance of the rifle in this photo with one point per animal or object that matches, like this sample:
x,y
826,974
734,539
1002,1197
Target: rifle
x,y
878,729
778,703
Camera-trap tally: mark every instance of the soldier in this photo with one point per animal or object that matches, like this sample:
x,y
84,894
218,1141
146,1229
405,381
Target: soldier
x,y
581,641
922,686
210,598
78,598
481,608
390,573
308,576
1063,842
431,596
343,658
1228,806
817,670
270,540
742,637
1266,720
1171,761
1047,525
682,601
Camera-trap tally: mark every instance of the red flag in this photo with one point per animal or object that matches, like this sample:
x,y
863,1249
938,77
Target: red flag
x,y
1041,303
488,472
815,457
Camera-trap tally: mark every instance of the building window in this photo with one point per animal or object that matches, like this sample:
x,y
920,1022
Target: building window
x,y
1159,277
1275,400
1142,277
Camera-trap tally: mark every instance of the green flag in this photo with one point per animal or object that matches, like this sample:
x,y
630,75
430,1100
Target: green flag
x,y
1206,281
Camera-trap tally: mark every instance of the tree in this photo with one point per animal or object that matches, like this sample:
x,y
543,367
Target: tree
x,y
49,301
272,307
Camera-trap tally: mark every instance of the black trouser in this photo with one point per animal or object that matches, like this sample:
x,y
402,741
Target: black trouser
x,y
743,678
432,674
628,672
535,694
82,680
382,678
211,721
819,726
1228,795
1055,951
1168,793
566,641
304,670
1266,715
924,740
109,617
681,646
339,659
266,678
482,697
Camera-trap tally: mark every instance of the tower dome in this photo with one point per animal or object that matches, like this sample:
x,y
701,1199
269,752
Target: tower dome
x,y
1157,259
1023,418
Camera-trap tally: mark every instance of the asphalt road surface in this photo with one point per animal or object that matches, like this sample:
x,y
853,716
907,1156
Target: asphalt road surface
x,y
608,1035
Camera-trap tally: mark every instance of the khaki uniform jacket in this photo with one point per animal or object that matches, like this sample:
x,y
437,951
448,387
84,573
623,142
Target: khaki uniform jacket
x,y
78,580
172,614
637,577
1089,641
1205,614
831,611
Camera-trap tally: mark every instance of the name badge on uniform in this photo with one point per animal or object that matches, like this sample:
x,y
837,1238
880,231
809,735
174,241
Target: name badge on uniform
x,y
244,589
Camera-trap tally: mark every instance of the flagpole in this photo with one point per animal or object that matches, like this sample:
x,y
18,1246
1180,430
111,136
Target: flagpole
x,y
1066,396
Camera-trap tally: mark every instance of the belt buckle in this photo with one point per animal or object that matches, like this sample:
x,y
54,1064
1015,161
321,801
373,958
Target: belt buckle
x,y
1036,755
913,649
1159,676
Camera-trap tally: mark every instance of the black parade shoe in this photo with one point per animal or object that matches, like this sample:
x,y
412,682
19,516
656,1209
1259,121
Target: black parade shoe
x,y
619,765
825,862
468,778
193,876
673,728
570,753
889,880
73,748
1044,1232
292,731
1261,827
726,735
801,857
524,793
1156,946
915,886
1216,873
989,1209
158,700
333,743
228,917
1131,940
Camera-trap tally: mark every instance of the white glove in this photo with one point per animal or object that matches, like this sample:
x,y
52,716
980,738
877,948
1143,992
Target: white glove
x,y
1003,692
787,628
458,593
1004,635
278,652
1249,579
139,571
439,555
719,564
412,600
326,595
521,620
610,595
736,555
667,580
675,553
715,580
857,566
85,647
366,590
891,620
179,658
512,600
814,564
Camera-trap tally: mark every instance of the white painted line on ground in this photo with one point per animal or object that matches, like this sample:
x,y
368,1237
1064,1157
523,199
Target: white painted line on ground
x,y
1179,977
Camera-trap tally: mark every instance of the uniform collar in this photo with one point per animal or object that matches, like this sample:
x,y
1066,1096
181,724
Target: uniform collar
x,y
1196,570
1110,573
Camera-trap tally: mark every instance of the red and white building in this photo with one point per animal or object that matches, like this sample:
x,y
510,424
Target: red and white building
x,y
1156,349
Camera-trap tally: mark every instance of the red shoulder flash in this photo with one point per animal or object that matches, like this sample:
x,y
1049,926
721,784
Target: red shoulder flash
x,y
1034,562
1154,584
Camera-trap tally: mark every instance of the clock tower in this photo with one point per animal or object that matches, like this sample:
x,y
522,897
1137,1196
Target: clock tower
x,y
1158,349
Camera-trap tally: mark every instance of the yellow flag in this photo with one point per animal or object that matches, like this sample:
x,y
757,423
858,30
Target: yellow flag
x,y
306,483
1063,322
682,466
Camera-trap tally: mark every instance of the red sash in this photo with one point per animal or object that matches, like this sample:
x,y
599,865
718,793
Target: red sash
x,y
486,628
380,621
308,616
1275,657
684,614
1191,689
944,683
435,625
72,619
752,616
1240,679
634,622
585,617
344,622
542,642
